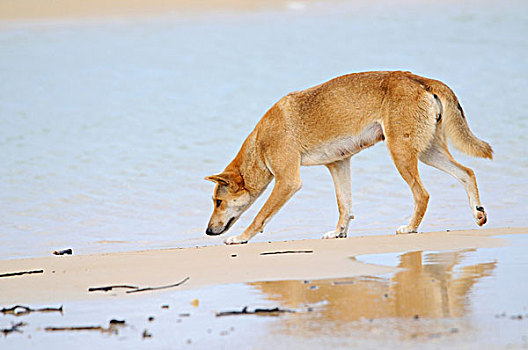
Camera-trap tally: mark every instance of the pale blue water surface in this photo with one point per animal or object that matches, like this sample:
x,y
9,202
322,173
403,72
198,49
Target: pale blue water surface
x,y
107,127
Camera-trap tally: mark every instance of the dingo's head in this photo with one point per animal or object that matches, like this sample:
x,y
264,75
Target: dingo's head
x,y
230,200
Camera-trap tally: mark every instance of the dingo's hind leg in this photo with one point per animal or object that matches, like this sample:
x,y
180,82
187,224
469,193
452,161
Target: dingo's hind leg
x,y
340,172
406,161
438,156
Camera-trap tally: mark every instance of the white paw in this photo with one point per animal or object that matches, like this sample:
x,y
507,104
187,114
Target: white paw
x,y
405,229
235,240
334,234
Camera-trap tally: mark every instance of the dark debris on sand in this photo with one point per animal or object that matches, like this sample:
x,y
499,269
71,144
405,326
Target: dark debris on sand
x,y
260,312
15,327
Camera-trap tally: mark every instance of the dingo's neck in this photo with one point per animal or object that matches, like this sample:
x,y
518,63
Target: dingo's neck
x,y
250,164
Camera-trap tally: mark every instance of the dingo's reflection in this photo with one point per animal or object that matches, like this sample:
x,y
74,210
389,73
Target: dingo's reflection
x,y
429,285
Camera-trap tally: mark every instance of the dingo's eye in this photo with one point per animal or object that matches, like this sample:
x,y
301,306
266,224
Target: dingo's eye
x,y
218,202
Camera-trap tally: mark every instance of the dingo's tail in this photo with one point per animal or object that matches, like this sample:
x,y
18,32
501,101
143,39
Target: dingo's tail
x,y
455,124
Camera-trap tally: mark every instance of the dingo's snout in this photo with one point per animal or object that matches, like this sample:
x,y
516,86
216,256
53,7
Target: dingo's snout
x,y
218,229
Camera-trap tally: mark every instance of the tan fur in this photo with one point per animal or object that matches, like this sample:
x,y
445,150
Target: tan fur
x,y
329,123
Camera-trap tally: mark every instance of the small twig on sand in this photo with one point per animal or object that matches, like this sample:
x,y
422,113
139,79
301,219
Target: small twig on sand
x,y
136,289
112,327
262,312
342,283
10,274
288,252
68,251
14,328
158,288
74,328
20,310
109,288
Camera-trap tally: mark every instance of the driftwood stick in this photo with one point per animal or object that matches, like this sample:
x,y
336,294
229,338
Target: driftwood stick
x,y
264,312
109,288
113,326
288,252
10,274
68,251
136,289
13,310
19,310
74,328
14,328
158,288
49,309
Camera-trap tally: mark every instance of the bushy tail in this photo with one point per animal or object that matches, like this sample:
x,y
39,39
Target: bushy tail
x,y
455,124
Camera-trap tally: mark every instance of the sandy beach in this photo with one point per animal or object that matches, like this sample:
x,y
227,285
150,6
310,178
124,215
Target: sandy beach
x,y
67,278
436,289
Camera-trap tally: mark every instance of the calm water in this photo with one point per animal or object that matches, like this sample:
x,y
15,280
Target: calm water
x,y
107,128
450,300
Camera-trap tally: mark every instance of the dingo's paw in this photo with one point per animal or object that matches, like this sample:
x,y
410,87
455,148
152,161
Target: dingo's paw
x,y
480,216
334,234
235,240
405,229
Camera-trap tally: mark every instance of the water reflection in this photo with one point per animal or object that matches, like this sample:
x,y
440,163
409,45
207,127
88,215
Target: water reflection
x,y
430,285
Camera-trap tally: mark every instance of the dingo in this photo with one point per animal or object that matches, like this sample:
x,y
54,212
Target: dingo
x,y
329,123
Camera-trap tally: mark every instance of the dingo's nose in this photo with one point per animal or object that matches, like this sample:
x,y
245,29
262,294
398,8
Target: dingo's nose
x,y
213,232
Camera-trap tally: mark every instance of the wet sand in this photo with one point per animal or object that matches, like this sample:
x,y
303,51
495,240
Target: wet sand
x,y
68,278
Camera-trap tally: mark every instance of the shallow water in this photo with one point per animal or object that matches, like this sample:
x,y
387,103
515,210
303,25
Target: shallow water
x,y
108,127
455,299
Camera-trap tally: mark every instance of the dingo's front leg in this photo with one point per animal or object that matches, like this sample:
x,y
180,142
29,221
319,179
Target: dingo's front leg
x,y
286,168
340,172
282,191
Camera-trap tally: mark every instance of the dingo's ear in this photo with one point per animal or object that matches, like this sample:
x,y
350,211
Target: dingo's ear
x,y
219,179
225,179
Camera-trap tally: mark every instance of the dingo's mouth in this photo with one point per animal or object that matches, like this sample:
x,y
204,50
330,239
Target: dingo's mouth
x,y
211,232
